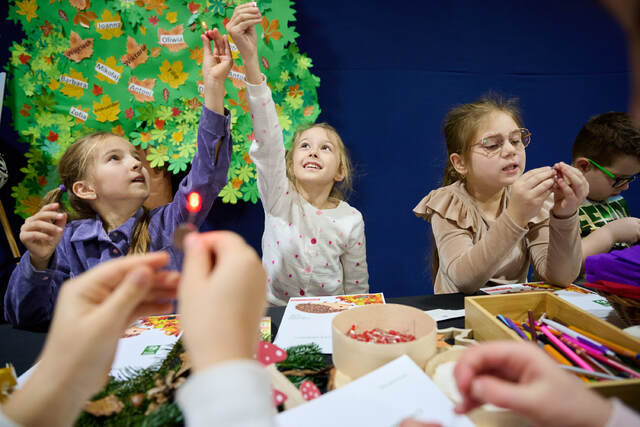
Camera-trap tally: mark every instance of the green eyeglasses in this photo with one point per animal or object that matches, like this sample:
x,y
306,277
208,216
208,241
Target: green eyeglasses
x,y
617,181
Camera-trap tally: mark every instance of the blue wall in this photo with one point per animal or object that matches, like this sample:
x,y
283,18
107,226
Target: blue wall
x,y
390,73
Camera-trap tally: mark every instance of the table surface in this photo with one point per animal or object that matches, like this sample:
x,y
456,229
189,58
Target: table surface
x,y
22,347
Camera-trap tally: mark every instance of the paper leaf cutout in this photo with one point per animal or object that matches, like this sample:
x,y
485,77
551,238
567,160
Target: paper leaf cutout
x,y
110,26
270,30
79,4
269,353
309,390
106,110
79,49
142,90
157,5
278,397
27,8
104,407
108,70
172,39
74,84
136,53
172,74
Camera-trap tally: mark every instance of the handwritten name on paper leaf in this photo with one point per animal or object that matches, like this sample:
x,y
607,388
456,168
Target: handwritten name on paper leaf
x,y
79,48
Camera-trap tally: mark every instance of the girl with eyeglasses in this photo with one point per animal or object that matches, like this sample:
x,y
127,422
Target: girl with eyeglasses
x,y
490,219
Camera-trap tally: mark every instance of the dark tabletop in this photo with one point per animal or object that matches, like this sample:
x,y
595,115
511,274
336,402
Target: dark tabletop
x,y
22,347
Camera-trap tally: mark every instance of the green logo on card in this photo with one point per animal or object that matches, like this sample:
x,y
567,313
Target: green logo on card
x,y
602,302
150,349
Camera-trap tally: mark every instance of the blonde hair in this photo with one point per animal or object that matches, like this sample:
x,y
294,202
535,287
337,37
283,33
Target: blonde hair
x,y
459,126
341,190
75,165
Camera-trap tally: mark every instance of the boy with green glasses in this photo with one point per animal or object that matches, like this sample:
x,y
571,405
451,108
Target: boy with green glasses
x,y
607,152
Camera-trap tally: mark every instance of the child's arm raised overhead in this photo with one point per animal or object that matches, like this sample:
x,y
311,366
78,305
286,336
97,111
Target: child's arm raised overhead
x,y
267,151
210,166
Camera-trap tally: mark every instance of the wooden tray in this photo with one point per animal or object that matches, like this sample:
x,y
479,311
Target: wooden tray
x,y
481,311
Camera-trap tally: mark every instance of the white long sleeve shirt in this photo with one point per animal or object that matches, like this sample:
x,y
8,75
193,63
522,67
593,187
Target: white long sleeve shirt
x,y
306,251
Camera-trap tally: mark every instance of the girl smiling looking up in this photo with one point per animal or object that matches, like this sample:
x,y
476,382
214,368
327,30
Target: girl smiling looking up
x,y
490,219
107,185
313,241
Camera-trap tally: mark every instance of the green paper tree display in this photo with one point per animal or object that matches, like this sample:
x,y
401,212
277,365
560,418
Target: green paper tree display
x,y
134,68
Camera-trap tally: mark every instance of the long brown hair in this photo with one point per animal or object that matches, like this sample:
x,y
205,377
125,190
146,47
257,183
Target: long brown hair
x,y
76,164
341,190
459,126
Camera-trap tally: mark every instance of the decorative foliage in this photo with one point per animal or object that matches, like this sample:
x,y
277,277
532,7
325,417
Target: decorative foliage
x,y
146,397
133,68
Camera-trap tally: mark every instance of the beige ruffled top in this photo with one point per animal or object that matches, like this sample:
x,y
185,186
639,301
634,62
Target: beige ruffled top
x,y
474,250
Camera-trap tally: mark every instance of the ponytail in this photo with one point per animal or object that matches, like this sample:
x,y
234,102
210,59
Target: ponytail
x,y
140,239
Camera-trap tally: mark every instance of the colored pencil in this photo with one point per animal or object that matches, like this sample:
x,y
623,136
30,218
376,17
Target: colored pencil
x,y
566,350
532,327
591,374
613,346
561,359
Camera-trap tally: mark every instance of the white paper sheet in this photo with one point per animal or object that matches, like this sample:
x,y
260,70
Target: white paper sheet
x,y
384,397
303,327
439,314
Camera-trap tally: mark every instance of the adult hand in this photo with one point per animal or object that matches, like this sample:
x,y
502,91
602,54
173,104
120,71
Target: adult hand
x,y
521,377
222,298
92,312
41,233
215,68
528,194
570,190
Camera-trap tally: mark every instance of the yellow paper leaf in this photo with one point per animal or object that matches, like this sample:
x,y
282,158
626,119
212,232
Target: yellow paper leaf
x,y
73,84
109,26
172,74
111,64
172,17
106,110
28,9
54,84
197,54
177,136
143,30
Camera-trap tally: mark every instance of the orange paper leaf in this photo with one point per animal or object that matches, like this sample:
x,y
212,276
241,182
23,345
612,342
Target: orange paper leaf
x,y
172,39
142,90
79,49
136,53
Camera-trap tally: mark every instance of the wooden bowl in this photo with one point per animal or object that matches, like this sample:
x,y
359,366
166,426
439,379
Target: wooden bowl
x,y
354,359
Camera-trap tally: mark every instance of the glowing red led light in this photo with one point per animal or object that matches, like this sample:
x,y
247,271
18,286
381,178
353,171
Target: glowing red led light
x,y
194,202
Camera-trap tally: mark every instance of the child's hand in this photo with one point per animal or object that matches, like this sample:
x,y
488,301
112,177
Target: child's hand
x,y
528,194
41,233
215,68
623,230
242,30
570,190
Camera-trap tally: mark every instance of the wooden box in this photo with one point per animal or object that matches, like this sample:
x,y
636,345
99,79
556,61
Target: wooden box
x,y
481,311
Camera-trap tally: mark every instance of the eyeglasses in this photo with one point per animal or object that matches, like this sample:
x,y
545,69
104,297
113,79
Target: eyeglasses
x,y
493,144
617,181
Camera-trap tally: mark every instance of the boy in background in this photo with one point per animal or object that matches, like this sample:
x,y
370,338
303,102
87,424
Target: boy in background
x,y
607,152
